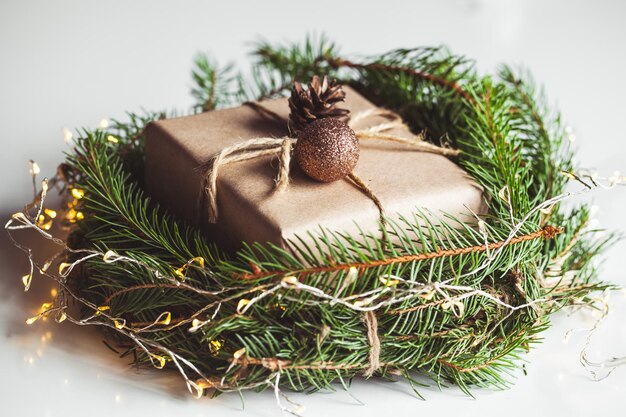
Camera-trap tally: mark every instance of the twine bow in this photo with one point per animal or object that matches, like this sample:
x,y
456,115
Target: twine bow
x,y
281,147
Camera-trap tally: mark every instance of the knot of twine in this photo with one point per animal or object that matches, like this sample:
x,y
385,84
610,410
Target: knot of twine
x,y
371,324
281,147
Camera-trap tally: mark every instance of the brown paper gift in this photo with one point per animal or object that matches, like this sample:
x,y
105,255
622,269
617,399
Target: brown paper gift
x,y
250,210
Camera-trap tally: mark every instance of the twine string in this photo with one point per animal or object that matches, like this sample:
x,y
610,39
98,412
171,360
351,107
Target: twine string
x,y
281,147
393,118
282,181
249,149
370,193
371,324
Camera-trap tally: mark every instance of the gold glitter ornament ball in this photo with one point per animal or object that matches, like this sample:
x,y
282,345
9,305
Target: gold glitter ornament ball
x,y
327,150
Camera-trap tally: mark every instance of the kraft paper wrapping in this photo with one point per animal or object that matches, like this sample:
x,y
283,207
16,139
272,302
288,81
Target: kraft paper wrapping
x,y
251,211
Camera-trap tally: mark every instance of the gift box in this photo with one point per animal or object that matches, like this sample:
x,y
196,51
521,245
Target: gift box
x,y
178,151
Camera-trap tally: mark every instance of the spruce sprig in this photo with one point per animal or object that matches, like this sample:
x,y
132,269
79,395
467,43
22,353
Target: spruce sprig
x,y
214,86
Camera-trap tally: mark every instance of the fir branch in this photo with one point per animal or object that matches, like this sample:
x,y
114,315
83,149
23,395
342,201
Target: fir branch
x,y
278,66
382,67
547,232
215,86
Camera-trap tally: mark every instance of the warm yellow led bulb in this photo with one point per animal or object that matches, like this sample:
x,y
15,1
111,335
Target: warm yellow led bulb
x,y
109,256
428,295
112,139
71,215
215,346
101,309
26,280
199,260
456,306
119,323
67,135
238,354
61,317
45,307
77,193
196,390
180,272
388,281
34,168
167,318
46,226
195,325
242,303
160,364
50,213
291,280
204,384
45,266
63,266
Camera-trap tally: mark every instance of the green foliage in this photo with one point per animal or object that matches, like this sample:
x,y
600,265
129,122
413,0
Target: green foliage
x,y
511,143
278,66
417,83
214,86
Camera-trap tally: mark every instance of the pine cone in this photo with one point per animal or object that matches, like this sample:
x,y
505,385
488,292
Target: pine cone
x,y
317,102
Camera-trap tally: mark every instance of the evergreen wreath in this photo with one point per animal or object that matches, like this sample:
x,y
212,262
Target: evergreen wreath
x,y
456,304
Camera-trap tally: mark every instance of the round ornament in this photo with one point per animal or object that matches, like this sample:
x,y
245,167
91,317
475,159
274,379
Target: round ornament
x,y
327,150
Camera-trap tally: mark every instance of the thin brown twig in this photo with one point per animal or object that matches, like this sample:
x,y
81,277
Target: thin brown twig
x,y
208,105
461,369
340,62
547,232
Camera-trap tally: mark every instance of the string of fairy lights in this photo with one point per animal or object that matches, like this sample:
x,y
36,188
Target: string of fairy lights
x,y
394,290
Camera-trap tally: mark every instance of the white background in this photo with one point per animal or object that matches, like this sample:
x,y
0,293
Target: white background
x,y
72,63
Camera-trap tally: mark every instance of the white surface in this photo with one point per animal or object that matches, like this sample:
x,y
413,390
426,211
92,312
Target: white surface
x,y
71,63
